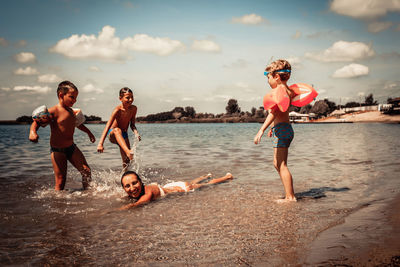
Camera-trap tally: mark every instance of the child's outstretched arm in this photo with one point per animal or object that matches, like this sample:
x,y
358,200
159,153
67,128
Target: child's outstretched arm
x,y
146,198
270,118
83,128
33,136
100,147
133,126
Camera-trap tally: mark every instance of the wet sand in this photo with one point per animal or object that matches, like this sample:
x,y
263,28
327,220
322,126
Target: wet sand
x,y
370,236
363,116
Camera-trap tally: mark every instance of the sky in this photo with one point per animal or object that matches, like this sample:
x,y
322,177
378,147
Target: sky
x,y
193,53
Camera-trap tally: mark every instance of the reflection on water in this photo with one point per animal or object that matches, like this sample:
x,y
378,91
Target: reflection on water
x,y
336,168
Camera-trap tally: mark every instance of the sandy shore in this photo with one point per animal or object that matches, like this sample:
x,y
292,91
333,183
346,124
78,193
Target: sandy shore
x,y
366,116
370,236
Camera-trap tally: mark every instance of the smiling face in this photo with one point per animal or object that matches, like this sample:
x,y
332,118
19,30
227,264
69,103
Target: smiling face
x,y
126,99
69,98
132,185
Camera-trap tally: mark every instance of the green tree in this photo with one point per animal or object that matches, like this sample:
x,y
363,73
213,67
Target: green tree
x,y
331,105
27,119
253,111
369,100
232,107
305,109
320,108
190,112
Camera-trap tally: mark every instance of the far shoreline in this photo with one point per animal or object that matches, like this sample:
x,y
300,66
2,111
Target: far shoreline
x,y
357,117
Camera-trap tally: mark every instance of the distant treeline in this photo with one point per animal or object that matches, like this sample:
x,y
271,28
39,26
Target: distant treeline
x,y
320,108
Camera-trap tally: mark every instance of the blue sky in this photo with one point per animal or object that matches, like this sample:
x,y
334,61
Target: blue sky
x,y
193,53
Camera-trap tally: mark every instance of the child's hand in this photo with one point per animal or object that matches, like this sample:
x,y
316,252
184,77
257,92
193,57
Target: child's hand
x,y
33,137
139,137
100,149
270,133
257,138
91,137
126,207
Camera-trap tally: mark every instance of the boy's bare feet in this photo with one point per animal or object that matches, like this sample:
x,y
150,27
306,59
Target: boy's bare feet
x,y
286,200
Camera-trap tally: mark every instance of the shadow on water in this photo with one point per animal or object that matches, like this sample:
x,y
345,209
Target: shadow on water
x,y
316,193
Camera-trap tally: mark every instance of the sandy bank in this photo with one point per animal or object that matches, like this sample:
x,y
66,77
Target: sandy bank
x,y
366,116
370,236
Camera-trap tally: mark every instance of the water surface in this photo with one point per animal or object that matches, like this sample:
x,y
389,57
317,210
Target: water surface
x,y
337,168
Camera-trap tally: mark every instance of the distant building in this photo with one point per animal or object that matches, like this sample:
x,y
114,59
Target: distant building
x,y
392,107
298,117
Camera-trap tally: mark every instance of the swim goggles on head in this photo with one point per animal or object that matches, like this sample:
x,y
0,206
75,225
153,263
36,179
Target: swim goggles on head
x,y
268,72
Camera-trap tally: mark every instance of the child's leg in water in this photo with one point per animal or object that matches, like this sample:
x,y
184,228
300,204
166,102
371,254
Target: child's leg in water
x,y
79,162
200,179
117,138
59,161
222,179
280,163
125,159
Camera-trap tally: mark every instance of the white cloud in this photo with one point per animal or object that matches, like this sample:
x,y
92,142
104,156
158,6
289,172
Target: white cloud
x,y
351,71
365,9
188,99
297,35
155,45
38,89
238,64
25,57
379,26
90,99
90,88
206,46
3,42
49,78
343,51
107,46
391,85
361,94
21,43
218,98
244,87
94,69
294,61
250,19
26,71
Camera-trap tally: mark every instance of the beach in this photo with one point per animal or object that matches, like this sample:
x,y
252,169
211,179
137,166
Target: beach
x,y
365,116
347,188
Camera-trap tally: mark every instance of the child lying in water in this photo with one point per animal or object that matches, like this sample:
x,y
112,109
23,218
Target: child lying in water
x,y
135,188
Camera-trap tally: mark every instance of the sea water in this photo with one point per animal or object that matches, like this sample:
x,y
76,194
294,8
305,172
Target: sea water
x,y
336,168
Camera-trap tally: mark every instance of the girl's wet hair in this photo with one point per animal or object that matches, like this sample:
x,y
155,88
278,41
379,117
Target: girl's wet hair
x,y
65,86
280,64
124,90
139,179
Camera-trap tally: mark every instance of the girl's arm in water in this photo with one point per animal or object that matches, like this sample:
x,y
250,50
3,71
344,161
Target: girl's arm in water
x,y
100,147
146,198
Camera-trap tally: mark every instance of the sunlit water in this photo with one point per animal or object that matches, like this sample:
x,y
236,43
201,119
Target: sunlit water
x,y
336,168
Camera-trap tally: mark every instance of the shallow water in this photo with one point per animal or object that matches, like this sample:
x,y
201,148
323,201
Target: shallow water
x,y
337,168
